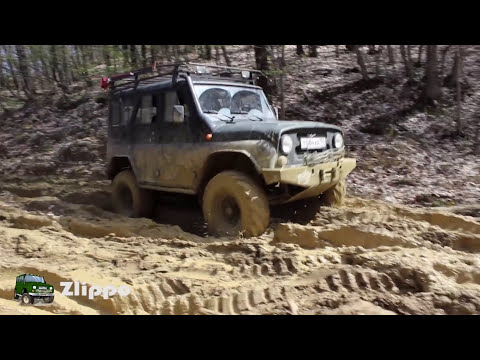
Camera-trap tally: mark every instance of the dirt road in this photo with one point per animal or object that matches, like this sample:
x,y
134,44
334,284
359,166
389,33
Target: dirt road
x,y
368,257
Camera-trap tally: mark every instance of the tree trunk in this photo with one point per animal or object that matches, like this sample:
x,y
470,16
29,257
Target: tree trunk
x,y
144,55
208,52
420,51
444,56
432,86
391,55
126,61
225,56
65,65
407,63
2,76
476,145
281,63
312,51
300,51
458,72
106,55
378,61
133,56
24,71
361,62
153,53
261,61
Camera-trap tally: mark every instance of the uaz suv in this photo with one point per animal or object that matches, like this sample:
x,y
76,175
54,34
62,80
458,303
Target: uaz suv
x,y
210,131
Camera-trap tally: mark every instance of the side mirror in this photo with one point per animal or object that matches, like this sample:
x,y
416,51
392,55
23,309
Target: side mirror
x,y
178,114
275,108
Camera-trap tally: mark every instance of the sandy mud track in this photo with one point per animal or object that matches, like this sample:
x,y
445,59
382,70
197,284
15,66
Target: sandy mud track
x,y
367,257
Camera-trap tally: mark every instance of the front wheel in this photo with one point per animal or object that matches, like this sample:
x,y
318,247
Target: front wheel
x,y
48,299
233,202
27,299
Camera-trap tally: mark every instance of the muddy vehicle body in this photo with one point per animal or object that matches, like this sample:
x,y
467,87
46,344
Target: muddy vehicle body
x,y
210,131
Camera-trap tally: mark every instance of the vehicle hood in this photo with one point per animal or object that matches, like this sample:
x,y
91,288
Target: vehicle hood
x,y
268,130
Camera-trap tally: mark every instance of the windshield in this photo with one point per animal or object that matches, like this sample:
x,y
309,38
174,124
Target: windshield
x,y
32,278
234,102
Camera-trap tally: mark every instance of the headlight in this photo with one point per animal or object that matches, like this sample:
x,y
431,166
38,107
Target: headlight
x,y
286,144
51,289
34,287
338,140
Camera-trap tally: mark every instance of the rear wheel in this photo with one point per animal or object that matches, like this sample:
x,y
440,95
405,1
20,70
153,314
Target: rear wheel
x,y
335,196
233,202
128,199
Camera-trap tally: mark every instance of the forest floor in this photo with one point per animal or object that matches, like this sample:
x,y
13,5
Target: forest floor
x,y
406,242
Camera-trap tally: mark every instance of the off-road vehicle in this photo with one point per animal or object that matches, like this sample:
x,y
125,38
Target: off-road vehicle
x,y
29,287
210,131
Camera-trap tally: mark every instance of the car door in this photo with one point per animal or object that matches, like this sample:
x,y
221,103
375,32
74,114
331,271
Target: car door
x,y
163,149
19,285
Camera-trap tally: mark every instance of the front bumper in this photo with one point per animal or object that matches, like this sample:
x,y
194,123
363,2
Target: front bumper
x,y
40,295
316,179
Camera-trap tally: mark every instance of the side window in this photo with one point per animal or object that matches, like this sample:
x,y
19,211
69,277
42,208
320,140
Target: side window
x,y
127,110
147,110
115,113
170,100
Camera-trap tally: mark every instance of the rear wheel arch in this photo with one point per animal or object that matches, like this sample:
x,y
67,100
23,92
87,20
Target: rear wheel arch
x,y
117,164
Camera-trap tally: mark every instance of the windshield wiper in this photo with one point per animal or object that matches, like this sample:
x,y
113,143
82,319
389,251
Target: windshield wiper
x,y
258,117
231,118
246,113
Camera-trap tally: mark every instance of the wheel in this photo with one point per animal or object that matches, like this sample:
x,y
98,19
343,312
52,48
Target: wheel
x,y
128,199
27,299
15,296
233,202
335,196
48,299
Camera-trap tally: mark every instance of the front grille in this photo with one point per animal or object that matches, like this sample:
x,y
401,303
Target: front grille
x,y
313,157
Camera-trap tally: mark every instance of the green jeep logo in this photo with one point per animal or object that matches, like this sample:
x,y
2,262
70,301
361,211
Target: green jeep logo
x,y
31,287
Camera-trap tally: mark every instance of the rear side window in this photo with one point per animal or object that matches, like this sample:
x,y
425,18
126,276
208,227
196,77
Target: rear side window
x,y
115,112
147,110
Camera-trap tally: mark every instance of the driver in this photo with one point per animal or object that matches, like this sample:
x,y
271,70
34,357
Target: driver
x,y
215,99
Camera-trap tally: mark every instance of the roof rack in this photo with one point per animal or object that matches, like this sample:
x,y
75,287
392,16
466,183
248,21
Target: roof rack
x,y
173,71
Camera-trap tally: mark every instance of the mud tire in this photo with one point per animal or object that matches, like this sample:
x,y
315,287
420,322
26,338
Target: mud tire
x,y
249,198
48,300
335,196
27,299
128,199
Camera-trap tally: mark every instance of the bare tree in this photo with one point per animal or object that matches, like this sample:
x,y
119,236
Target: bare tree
x,y
391,55
458,72
133,56
24,71
432,86
312,51
225,56
361,62
261,61
208,52
407,62
300,51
